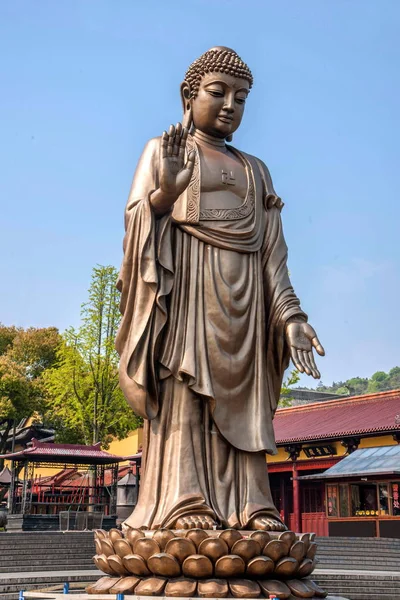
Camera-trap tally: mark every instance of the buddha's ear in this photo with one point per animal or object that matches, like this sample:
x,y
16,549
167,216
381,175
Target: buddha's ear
x,y
186,105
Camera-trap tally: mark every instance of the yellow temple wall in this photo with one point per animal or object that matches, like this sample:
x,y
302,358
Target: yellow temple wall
x,y
367,442
128,445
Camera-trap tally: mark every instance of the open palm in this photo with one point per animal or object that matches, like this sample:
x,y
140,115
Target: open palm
x,y
302,338
175,174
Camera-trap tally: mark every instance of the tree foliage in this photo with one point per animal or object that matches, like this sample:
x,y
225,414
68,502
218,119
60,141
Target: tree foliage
x,y
84,401
356,386
24,355
287,384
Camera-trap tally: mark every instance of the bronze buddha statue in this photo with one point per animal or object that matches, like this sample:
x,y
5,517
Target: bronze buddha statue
x,y
210,318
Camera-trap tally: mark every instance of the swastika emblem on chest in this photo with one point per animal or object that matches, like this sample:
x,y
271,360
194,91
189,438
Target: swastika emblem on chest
x,y
228,177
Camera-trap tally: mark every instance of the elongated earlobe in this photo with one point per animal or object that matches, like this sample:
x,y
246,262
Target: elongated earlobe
x,y
186,105
187,117
229,138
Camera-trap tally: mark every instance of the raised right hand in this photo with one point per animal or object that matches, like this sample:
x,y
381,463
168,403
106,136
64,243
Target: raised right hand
x,y
174,173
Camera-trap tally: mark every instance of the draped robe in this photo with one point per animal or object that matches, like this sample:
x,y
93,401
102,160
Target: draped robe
x,y
205,296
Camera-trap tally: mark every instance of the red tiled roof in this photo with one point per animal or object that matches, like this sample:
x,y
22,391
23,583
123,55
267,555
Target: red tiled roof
x,y
70,478
333,419
57,453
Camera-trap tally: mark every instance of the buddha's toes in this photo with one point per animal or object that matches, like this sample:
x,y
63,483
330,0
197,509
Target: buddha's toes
x,y
267,524
194,521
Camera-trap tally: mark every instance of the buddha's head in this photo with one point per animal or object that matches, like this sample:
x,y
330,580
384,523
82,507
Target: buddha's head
x,y
214,92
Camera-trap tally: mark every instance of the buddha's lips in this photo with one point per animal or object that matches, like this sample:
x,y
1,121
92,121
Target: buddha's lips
x,y
225,118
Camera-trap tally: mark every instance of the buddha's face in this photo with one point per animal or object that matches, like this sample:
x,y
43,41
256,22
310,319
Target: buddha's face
x,y
219,105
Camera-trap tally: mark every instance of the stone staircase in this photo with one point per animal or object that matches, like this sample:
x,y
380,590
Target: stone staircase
x,y
356,568
365,554
359,568
46,551
357,585
42,560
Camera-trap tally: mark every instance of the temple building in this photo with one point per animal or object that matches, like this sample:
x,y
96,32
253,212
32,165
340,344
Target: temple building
x,y
337,471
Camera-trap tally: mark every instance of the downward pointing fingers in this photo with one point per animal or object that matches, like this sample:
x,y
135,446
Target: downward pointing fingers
x,y
304,358
296,359
315,373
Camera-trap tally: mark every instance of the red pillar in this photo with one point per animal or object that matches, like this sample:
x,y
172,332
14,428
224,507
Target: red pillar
x,y
282,492
296,499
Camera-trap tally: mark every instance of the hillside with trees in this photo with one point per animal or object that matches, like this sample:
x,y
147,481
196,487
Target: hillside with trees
x,y
378,382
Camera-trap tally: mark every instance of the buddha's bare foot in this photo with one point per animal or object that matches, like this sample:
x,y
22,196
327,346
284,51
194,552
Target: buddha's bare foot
x,y
267,524
195,522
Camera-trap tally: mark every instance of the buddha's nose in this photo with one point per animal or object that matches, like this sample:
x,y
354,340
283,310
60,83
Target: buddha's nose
x,y
229,104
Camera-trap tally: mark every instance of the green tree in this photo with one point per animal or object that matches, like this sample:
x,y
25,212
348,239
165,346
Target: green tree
x,y
357,385
7,335
379,382
35,349
287,384
85,403
24,354
343,391
394,378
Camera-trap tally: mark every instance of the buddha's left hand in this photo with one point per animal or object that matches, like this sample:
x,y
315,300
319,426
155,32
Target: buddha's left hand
x,y
301,338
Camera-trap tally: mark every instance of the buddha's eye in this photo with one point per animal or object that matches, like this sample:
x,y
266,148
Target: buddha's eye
x,y
240,100
216,93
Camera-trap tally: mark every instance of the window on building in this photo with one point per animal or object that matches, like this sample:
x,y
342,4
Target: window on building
x,y
395,498
312,498
344,501
383,497
332,500
364,499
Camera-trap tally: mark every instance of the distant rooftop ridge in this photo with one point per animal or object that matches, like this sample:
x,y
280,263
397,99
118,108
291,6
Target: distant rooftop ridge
x,y
300,396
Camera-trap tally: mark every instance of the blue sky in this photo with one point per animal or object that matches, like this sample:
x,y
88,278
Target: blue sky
x,y
86,83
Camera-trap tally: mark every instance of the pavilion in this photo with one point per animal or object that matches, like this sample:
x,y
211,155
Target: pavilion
x,y
80,492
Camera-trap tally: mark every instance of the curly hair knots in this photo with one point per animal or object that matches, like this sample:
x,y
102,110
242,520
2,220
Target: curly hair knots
x,y
217,60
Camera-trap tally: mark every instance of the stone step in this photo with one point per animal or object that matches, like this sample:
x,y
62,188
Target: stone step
x,y
356,559
48,559
39,568
357,546
367,588
54,565
25,557
87,551
39,545
45,534
354,553
357,549
7,537
358,543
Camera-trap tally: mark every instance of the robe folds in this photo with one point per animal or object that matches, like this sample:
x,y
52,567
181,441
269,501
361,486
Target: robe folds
x,y
202,348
